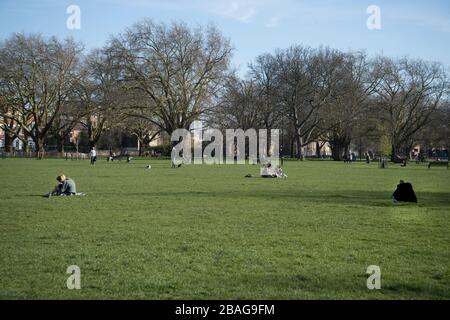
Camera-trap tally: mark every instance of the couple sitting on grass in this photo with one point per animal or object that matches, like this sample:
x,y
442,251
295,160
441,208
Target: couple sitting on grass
x,y
268,171
65,187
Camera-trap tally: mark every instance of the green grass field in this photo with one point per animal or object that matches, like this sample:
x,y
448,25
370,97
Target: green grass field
x,y
206,232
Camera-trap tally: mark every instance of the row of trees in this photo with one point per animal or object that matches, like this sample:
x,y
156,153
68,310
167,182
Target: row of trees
x,y
155,78
324,95
149,79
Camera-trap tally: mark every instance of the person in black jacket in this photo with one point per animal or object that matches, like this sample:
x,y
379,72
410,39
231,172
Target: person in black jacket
x,y
404,193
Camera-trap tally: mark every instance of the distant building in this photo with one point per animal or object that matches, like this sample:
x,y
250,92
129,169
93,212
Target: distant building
x,y
18,143
160,139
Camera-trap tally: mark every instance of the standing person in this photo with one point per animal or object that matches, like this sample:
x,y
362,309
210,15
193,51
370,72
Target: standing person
x,y
93,155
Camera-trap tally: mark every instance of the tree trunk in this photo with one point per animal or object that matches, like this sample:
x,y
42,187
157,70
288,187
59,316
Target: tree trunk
x,y
337,151
318,150
8,142
40,150
298,144
140,147
60,144
346,150
92,142
292,143
408,150
94,135
394,151
269,142
339,144
25,146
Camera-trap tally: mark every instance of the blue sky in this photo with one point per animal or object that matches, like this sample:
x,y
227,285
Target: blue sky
x,y
408,28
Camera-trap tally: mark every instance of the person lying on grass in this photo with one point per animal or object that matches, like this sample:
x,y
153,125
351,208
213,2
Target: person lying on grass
x,y
404,193
65,187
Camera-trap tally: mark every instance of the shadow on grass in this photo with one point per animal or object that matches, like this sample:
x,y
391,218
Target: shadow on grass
x,y
325,283
341,197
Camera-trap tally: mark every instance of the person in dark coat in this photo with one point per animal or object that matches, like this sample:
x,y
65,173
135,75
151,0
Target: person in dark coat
x,y
404,193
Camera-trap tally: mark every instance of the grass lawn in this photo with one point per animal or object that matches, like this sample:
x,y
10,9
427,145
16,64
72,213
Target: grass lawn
x,y
206,232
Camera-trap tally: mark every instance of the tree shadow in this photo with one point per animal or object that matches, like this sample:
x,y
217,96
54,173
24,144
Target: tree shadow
x,y
329,285
341,197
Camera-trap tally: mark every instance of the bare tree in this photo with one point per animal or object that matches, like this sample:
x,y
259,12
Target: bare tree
x,y
271,113
10,128
264,73
38,75
409,93
101,95
307,79
71,114
436,133
240,105
139,124
348,111
178,69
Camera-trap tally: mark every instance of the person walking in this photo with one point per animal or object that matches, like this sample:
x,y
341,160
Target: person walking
x,y
93,155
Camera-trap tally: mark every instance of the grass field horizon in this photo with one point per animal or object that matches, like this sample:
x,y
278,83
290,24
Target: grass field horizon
x,y
206,232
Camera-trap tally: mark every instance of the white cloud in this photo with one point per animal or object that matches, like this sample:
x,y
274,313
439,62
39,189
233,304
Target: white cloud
x,y
424,19
438,23
244,11
273,22
238,10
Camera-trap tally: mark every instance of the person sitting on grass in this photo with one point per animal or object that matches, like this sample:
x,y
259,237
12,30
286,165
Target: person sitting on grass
x,y
268,171
403,163
280,173
111,156
129,158
65,187
404,193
